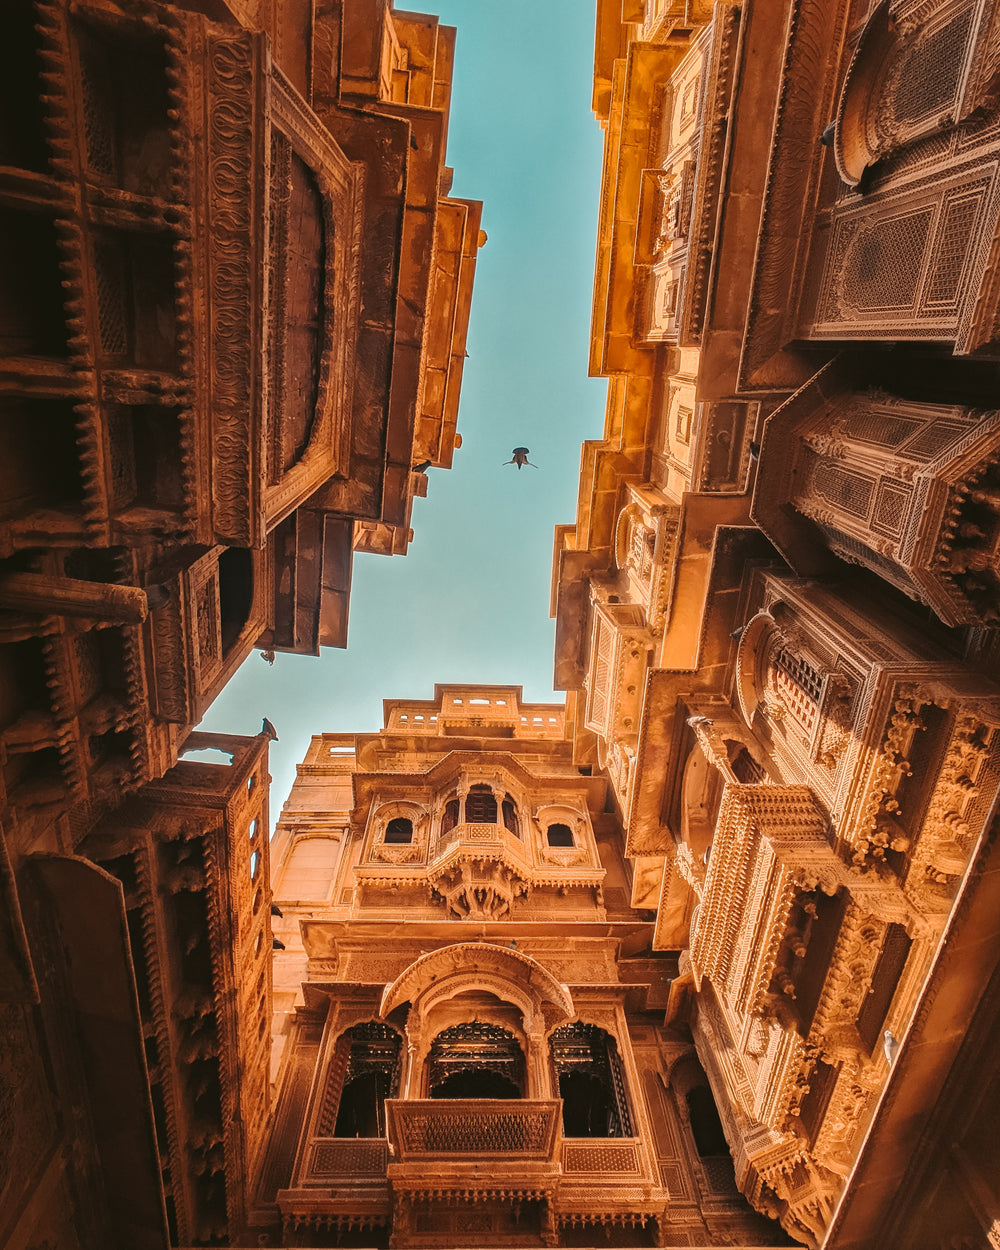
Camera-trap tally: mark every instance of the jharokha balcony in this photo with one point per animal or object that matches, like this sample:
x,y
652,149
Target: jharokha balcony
x,y
509,1152
498,1148
475,1145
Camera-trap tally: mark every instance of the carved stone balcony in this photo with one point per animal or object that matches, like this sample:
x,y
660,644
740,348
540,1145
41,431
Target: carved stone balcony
x,y
479,870
475,1147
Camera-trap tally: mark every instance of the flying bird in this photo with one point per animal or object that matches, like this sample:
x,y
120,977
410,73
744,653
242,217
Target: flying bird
x,y
520,457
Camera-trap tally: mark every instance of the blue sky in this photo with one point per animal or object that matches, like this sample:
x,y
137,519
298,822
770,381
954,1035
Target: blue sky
x,y
470,600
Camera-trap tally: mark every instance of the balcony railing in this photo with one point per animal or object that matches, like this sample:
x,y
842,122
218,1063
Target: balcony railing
x,y
454,1129
494,840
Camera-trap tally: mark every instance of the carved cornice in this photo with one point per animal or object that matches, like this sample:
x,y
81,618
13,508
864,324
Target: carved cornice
x,y
235,139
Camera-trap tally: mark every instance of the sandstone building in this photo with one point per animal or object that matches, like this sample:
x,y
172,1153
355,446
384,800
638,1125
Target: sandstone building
x,y
469,1018
705,956
234,295
777,609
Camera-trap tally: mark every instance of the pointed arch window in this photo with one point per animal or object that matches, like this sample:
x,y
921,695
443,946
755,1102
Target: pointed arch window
x,y
509,810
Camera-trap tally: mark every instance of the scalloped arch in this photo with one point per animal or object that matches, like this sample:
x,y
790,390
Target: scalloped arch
x,y
469,961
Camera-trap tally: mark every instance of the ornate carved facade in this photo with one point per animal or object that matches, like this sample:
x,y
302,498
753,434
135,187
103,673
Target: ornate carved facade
x,y
778,608
469,1017
234,294
199,426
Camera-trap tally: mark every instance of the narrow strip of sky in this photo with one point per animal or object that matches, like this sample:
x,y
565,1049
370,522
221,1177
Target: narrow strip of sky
x,y
470,600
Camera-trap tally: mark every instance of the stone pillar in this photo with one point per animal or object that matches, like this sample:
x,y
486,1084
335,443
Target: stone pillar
x,y
537,1065
69,596
410,1081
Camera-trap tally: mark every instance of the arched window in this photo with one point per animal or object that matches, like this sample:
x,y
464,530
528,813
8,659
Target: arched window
x,y
559,835
475,1060
510,816
370,1076
399,831
591,1082
480,806
449,818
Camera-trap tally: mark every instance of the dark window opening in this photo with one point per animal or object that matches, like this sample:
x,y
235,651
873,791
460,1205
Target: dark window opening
x,y
110,755
35,777
136,299
368,1055
889,968
22,139
476,1083
475,1060
924,751
814,922
145,457
586,1110
39,469
509,811
23,686
480,806
559,835
125,104
399,831
235,593
450,817
32,317
591,1082
709,1139
745,767
362,1106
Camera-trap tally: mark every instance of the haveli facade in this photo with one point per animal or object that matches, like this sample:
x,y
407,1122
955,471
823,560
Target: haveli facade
x,y
709,950
234,296
777,607
469,1021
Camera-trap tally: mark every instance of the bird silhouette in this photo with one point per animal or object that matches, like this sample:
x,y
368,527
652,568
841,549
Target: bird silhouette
x,y
520,457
